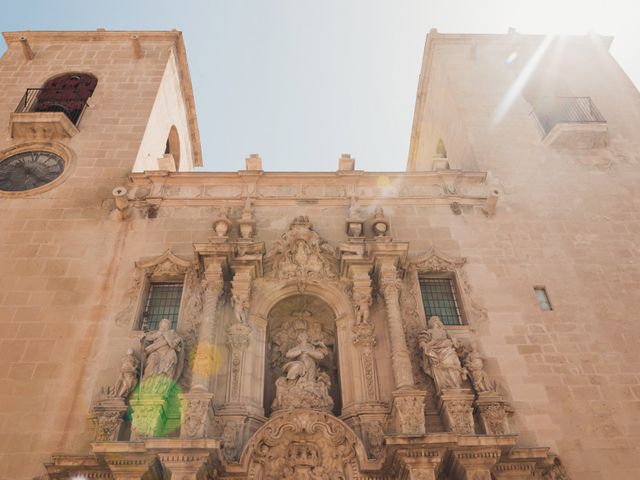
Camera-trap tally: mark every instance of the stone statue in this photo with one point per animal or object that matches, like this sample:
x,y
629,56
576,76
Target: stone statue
x,y
440,359
240,308
128,378
303,386
361,303
354,209
474,365
164,354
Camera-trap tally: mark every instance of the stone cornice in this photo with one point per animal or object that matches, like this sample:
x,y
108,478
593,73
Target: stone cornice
x,y
313,188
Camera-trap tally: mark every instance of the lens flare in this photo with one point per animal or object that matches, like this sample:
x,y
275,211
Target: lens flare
x,y
517,86
205,360
383,181
510,59
155,407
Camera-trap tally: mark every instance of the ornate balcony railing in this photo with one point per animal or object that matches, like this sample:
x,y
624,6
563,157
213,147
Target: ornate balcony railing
x,y
53,100
550,111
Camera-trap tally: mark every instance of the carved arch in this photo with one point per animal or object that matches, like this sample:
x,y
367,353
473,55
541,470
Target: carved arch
x,y
166,266
267,294
307,442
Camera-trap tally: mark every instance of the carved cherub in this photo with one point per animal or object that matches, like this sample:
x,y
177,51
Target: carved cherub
x,y
128,378
474,364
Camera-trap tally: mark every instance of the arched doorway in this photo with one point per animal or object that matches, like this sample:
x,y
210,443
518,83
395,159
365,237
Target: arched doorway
x,y
301,367
304,444
67,93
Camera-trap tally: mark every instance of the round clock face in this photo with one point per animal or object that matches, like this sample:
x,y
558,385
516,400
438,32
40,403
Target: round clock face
x,y
29,170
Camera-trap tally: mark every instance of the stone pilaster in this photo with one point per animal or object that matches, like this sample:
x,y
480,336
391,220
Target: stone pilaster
x,y
365,341
474,464
238,341
108,418
493,413
456,410
400,360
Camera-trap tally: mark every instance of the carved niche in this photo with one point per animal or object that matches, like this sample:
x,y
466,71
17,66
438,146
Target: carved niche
x,y
303,444
287,385
301,255
415,321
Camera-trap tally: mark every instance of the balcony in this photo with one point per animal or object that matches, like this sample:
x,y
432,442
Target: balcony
x,y
572,122
45,113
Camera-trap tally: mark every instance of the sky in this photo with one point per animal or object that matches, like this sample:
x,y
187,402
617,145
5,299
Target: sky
x,y
302,81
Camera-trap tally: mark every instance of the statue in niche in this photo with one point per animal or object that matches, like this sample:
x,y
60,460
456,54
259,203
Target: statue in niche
x,y
128,378
440,359
474,365
303,385
164,360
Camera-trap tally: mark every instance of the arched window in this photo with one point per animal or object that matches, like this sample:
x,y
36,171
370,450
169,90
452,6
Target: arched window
x,y
67,93
173,146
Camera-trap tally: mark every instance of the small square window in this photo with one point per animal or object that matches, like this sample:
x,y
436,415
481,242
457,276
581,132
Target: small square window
x,y
163,301
543,299
440,297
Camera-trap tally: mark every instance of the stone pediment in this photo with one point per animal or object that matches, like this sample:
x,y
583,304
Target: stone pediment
x,y
300,254
435,261
165,266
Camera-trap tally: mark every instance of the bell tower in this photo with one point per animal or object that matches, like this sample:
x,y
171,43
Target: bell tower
x,y
81,111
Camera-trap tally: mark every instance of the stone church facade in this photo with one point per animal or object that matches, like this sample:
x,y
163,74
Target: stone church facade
x,y
470,318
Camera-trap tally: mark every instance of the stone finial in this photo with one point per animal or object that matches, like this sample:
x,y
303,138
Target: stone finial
x,y
346,163
246,224
355,222
380,224
253,162
222,224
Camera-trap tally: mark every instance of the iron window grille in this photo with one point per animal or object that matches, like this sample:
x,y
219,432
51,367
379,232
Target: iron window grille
x,y
163,301
439,297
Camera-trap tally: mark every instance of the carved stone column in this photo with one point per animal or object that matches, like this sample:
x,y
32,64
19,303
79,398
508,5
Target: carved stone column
x,y
456,410
108,418
400,360
474,464
205,356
